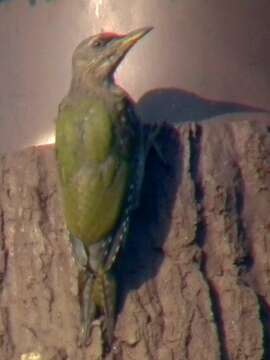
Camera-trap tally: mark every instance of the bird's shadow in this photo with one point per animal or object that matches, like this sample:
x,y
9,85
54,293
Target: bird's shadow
x,y
143,253
175,106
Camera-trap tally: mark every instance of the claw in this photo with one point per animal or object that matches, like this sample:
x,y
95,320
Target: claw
x,y
79,251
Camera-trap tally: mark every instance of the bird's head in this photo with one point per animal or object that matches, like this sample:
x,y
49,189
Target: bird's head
x,y
97,57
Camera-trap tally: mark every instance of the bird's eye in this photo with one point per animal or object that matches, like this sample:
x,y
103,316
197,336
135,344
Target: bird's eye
x,y
97,43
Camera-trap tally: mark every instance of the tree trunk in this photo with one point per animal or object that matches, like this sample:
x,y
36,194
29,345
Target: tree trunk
x,y
194,275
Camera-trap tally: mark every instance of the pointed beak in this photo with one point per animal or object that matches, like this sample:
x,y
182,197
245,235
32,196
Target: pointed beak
x,y
118,48
126,42
131,38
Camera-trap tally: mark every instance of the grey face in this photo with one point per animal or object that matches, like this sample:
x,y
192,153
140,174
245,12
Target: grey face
x,y
99,55
94,54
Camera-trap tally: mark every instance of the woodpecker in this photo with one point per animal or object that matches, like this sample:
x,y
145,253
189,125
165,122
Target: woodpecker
x,y
101,151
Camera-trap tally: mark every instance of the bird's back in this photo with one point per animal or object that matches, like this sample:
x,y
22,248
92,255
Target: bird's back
x,y
94,166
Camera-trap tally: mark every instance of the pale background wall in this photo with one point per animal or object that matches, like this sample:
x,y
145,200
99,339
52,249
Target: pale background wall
x,y
219,49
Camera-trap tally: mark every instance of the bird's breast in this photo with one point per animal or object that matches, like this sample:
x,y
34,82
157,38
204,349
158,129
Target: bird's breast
x,y
94,197
93,173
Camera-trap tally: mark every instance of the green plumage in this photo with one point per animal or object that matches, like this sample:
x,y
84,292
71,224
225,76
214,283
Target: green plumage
x,y
100,158
93,169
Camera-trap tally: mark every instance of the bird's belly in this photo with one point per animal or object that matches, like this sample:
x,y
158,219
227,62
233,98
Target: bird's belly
x,y
93,199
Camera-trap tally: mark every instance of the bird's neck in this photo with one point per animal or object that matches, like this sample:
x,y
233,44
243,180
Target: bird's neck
x,y
91,86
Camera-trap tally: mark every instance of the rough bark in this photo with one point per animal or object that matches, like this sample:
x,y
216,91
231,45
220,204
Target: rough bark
x,y
194,276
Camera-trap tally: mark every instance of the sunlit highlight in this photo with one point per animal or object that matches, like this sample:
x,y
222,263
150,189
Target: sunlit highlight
x,y
46,139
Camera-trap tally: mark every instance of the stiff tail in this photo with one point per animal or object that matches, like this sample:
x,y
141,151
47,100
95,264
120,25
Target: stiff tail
x,y
104,296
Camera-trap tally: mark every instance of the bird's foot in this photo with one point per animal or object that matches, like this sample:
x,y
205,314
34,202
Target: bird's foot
x,y
79,252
